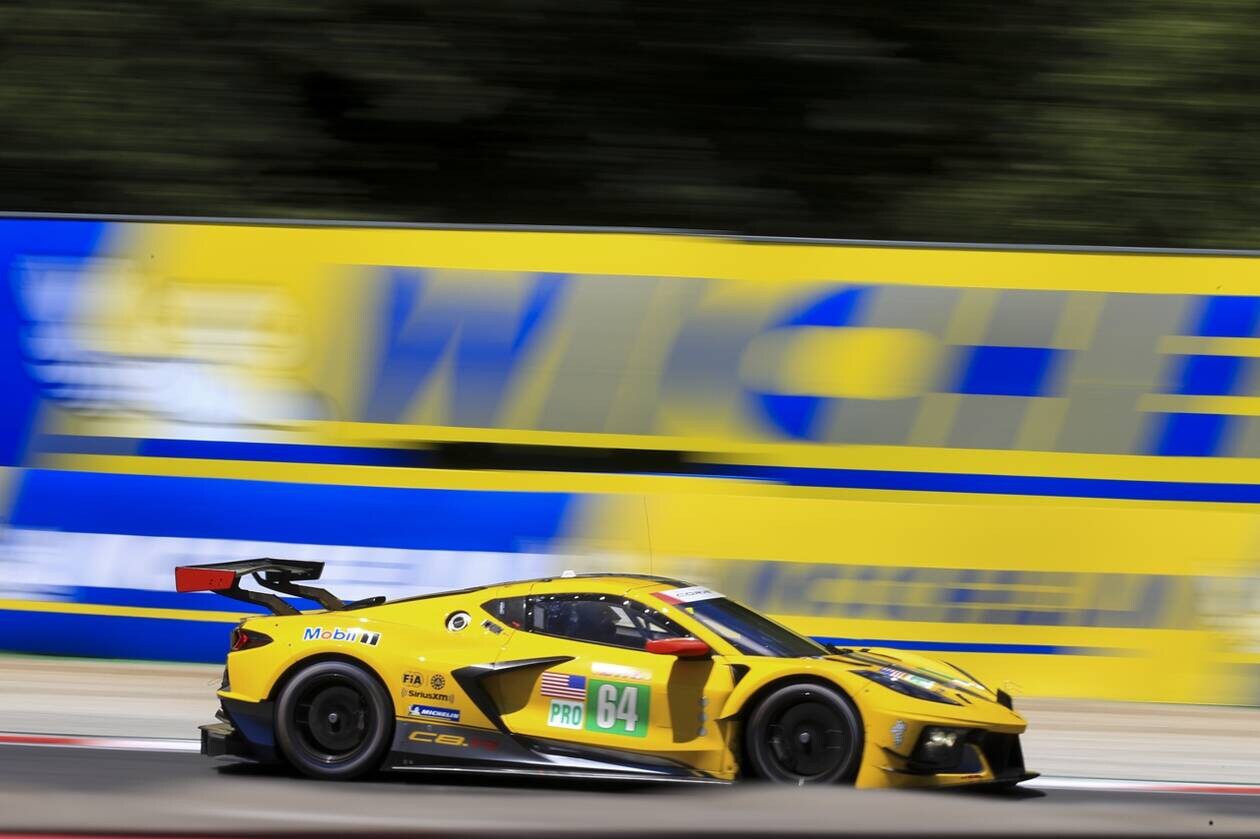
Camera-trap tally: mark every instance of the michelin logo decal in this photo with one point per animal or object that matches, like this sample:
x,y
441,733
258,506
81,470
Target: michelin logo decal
x,y
448,714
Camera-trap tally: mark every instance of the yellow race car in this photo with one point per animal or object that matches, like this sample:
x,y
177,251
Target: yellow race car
x,y
586,675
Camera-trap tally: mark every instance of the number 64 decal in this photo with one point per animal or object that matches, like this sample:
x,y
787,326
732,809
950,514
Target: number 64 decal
x,y
618,708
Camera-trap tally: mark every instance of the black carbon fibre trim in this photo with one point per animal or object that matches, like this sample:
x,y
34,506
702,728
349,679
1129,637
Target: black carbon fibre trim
x,y
615,759
469,679
253,722
423,743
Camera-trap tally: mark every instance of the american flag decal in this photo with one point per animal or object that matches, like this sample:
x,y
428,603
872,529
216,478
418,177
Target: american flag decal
x,y
370,638
563,686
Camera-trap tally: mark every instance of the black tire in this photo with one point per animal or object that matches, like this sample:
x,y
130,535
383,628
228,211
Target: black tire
x,y
334,721
804,734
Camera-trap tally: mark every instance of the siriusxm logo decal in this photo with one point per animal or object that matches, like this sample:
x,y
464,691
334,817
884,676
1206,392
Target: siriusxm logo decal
x,y
318,633
448,714
414,687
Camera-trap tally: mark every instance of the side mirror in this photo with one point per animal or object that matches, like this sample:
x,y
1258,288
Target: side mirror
x,y
680,647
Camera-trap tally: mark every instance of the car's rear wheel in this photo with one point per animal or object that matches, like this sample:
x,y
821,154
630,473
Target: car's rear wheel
x,y
334,721
804,734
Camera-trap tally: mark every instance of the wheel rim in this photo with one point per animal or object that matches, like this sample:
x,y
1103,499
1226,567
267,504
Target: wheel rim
x,y
332,718
809,740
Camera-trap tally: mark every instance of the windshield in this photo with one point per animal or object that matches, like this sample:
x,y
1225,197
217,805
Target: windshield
x,y
747,631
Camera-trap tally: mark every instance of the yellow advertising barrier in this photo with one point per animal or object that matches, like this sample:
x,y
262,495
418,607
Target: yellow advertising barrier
x,y
1041,465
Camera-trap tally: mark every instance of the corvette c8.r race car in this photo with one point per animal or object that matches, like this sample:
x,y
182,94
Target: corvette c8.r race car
x,y
592,675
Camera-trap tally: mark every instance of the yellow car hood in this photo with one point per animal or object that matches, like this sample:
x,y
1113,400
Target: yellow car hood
x,y
927,673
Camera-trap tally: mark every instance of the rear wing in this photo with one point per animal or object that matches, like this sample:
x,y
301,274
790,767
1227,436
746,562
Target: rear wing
x,y
282,575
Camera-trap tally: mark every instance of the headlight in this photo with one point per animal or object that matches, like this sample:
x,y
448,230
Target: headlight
x,y
899,681
940,748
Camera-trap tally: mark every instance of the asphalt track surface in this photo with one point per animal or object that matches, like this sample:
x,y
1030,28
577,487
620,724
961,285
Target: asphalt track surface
x,y
102,791
125,765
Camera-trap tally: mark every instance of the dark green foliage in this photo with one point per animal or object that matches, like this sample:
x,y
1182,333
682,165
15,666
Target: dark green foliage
x,y
1105,122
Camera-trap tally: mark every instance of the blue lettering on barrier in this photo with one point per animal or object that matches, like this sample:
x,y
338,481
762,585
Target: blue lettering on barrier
x,y
70,244
803,417
478,329
1007,371
1206,435
423,320
966,595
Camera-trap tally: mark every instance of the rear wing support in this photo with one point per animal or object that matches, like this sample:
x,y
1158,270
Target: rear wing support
x,y
282,575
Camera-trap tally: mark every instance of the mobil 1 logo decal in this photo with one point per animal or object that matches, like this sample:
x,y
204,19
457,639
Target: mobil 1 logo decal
x,y
617,708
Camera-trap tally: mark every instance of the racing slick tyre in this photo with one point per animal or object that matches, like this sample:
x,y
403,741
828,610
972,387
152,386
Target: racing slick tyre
x,y
804,734
334,721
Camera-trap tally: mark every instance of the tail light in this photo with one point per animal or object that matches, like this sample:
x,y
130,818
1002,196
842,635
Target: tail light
x,y
247,639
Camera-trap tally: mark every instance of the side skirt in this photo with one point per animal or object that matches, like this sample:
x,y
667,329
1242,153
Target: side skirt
x,y
425,746
537,772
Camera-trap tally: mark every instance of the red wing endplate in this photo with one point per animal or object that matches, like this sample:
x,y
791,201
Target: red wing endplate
x,y
280,575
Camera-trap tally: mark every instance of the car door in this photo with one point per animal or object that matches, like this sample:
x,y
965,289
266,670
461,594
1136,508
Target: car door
x,y
604,690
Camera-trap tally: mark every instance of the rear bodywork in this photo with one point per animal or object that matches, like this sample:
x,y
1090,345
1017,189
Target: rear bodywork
x,y
474,690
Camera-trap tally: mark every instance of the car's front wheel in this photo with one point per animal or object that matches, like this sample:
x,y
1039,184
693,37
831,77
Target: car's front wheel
x,y
334,721
804,734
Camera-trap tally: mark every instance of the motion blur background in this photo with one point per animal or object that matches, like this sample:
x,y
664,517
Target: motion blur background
x,y
1110,122
1041,464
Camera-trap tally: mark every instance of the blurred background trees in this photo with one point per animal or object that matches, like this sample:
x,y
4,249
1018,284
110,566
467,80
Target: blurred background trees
x,y
1104,122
